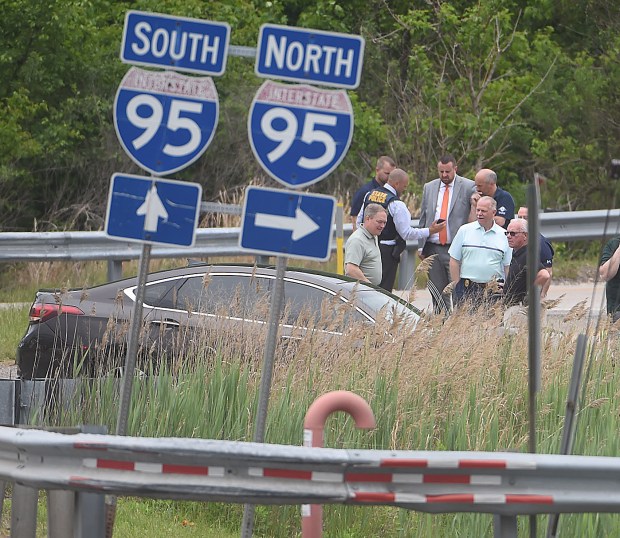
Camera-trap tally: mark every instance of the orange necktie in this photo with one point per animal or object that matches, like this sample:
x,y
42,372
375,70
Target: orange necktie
x,y
443,234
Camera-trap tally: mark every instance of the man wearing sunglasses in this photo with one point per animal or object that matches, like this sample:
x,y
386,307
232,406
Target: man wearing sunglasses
x,y
515,288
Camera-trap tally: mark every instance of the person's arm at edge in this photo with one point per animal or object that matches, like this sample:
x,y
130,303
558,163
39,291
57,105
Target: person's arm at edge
x,y
542,277
545,287
352,270
609,269
455,270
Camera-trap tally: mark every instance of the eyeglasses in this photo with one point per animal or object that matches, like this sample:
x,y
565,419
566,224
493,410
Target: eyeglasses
x,y
512,234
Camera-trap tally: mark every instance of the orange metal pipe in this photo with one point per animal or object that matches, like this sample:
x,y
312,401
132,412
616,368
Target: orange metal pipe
x,y
314,425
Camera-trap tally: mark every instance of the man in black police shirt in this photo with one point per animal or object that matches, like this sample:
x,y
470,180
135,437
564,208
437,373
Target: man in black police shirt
x,y
515,288
384,166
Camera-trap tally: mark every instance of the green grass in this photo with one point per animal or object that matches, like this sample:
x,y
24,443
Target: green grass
x,y
13,323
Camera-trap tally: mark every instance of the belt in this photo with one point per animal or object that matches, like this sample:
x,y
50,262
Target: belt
x,y
471,284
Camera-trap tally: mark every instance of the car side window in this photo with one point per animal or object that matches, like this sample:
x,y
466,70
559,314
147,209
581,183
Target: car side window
x,y
305,303
228,295
163,294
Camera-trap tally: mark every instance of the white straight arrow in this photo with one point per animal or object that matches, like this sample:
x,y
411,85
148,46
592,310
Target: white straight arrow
x,y
153,208
301,224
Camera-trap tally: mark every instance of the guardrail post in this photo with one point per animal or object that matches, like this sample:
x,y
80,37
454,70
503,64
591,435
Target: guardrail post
x,y
31,399
115,270
60,513
24,512
8,401
90,518
406,268
314,424
2,493
504,526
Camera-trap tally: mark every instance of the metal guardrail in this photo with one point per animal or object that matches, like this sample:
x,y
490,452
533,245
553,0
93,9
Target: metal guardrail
x,y
224,242
506,484
80,514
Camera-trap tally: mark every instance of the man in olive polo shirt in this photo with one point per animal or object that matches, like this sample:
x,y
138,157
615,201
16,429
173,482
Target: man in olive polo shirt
x,y
362,257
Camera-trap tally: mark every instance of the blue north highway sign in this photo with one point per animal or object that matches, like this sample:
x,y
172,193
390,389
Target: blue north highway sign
x,y
177,43
299,134
153,210
311,56
165,120
286,223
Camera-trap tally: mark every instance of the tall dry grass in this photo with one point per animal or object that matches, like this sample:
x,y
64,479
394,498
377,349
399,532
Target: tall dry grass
x,y
455,383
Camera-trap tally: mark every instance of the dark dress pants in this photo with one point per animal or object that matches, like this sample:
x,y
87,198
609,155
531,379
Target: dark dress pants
x,y
439,276
389,266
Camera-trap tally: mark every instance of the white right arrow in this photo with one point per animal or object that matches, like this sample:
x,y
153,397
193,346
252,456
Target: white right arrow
x,y
301,224
153,209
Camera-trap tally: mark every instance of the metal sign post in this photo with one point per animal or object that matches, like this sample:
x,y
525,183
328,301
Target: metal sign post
x,y
533,256
277,296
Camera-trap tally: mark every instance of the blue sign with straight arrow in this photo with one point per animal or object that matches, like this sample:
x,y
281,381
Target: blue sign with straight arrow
x,y
153,210
286,223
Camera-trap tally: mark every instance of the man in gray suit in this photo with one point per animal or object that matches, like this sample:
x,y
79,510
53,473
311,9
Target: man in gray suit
x,y
447,197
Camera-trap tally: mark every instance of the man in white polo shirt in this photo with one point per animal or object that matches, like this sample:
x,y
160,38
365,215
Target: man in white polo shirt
x,y
479,254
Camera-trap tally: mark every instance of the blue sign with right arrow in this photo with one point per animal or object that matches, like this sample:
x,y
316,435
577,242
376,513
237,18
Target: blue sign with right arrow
x,y
286,223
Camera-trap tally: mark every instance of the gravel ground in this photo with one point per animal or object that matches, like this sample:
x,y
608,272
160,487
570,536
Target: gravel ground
x,y
8,370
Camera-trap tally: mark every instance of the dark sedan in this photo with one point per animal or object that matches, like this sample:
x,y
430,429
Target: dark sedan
x,y
85,331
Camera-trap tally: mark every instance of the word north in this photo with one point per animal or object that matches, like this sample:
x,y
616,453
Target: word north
x,y
311,56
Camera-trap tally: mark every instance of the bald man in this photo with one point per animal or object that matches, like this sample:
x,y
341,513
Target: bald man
x,y
486,185
393,239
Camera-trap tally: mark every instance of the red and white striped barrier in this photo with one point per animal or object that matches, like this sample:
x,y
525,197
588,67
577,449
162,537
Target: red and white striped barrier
x,y
495,483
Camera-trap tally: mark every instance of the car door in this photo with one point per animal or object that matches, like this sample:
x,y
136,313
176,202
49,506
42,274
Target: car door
x,y
192,312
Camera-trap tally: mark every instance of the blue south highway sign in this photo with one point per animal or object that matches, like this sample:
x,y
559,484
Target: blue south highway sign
x,y
165,120
176,43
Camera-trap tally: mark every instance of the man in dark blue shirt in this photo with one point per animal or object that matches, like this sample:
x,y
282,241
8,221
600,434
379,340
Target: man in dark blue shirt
x,y
486,185
546,253
384,166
